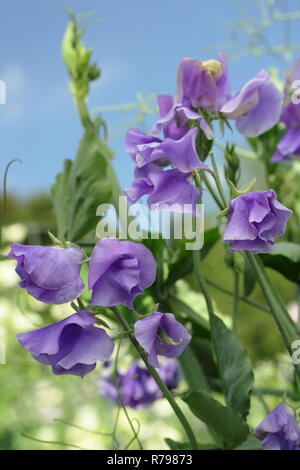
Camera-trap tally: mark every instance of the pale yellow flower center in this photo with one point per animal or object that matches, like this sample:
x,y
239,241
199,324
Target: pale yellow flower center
x,y
214,67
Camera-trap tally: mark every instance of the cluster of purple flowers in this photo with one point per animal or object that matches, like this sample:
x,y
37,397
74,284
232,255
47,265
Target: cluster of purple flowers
x,y
279,430
118,272
203,93
137,386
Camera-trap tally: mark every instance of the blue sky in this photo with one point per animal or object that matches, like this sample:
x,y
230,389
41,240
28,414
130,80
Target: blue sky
x,y
138,46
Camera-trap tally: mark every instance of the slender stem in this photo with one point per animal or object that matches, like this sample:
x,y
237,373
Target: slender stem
x,y
212,191
279,313
298,306
202,283
243,299
4,210
83,111
168,395
120,396
114,431
235,300
218,181
207,298
278,393
194,316
260,397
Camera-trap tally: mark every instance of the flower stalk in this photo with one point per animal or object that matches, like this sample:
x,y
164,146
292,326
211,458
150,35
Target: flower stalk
x,y
166,392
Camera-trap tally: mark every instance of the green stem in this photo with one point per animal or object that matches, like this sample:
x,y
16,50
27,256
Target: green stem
x,y
281,316
218,181
277,393
194,316
168,395
83,111
120,396
243,299
4,211
235,300
260,397
298,305
202,284
208,301
212,191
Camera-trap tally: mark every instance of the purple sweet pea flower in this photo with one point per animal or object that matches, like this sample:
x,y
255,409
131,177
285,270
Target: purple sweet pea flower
x,y
203,84
290,143
71,346
257,107
161,334
137,387
175,118
168,190
255,220
119,271
50,274
291,110
182,154
279,430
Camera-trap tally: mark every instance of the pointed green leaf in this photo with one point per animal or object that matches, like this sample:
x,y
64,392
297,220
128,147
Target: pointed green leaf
x,y
227,423
234,366
284,258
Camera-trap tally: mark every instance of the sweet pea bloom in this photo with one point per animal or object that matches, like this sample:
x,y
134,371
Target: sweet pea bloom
x,y
279,430
50,274
182,154
71,346
175,117
119,271
168,190
290,143
257,107
137,387
255,220
203,84
161,334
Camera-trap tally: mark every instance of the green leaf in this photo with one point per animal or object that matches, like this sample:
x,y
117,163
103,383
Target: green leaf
x,y
175,445
184,263
84,184
251,443
192,370
4,258
60,199
227,423
249,280
284,258
234,366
